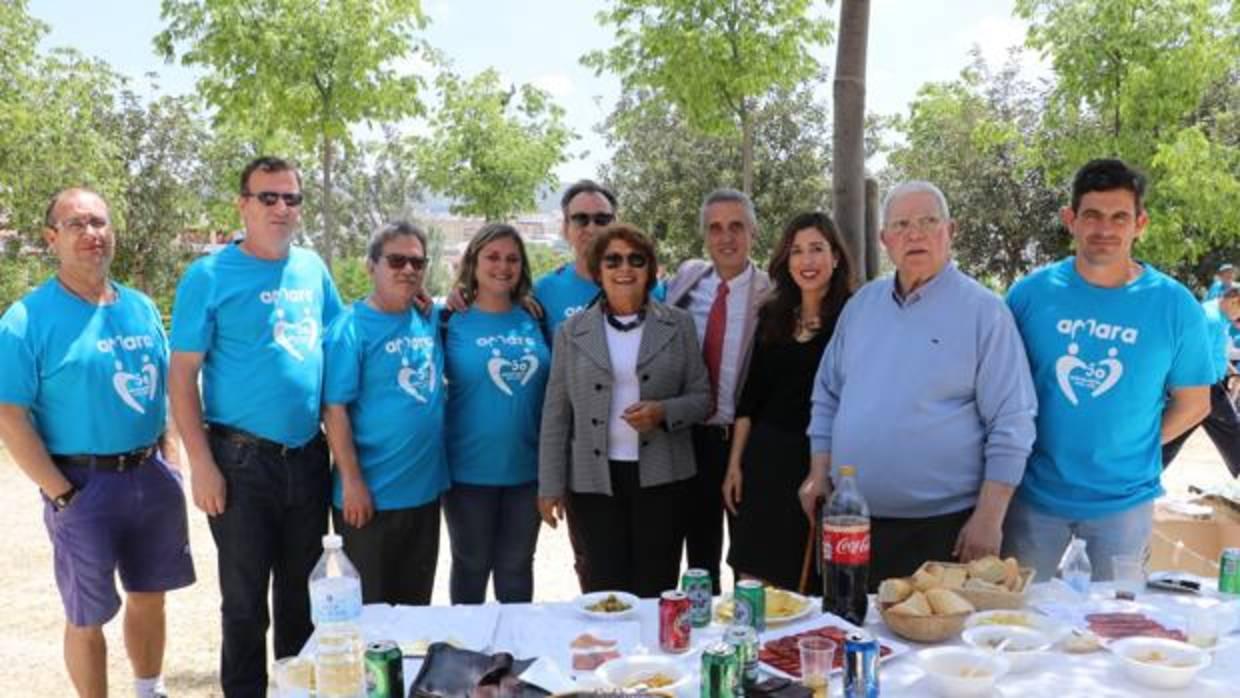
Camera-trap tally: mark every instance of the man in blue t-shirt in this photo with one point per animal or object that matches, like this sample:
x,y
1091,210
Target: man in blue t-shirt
x,y
1223,279
383,409
1222,425
588,207
1120,362
250,320
82,367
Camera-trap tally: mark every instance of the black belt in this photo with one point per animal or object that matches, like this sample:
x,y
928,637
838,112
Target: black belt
x,y
242,437
722,431
114,462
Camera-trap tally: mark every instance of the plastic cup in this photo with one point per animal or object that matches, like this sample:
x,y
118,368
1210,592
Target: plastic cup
x,y
1203,627
294,677
1128,571
817,657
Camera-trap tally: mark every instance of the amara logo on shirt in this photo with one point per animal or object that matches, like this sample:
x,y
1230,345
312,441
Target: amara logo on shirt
x,y
1075,373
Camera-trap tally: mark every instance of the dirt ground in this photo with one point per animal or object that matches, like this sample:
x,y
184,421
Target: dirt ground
x,y
31,619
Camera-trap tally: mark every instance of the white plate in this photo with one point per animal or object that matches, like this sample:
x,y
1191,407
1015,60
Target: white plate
x,y
584,601
897,648
807,607
619,672
1034,621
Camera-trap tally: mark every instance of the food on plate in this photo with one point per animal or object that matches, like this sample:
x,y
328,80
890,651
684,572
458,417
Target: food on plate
x,y
1081,642
1162,659
1014,618
608,604
780,605
589,661
587,641
989,568
647,681
894,590
915,605
945,602
1113,626
784,654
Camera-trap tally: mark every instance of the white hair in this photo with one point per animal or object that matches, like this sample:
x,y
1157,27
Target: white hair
x,y
915,186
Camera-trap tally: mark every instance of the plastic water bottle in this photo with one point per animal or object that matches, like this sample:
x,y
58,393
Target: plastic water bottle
x,y
1074,567
335,607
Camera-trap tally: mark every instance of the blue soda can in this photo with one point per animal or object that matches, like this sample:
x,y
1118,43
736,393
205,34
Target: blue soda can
x,y
860,666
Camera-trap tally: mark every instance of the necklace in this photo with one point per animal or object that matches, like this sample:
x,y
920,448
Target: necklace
x,y
625,326
807,328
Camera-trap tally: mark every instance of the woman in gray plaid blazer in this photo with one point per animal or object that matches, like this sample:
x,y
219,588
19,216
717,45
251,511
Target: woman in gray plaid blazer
x,y
627,381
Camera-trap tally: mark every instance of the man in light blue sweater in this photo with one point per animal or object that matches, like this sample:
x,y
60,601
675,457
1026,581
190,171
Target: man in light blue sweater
x,y
925,388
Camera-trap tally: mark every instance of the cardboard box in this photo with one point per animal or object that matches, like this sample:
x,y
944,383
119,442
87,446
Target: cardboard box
x,y
1203,538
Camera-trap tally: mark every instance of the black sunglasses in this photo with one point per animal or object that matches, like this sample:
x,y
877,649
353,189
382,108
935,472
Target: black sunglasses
x,y
581,220
400,261
269,198
613,260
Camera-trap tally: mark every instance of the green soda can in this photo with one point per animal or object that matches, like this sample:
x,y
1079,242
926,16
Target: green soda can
x,y
1229,571
385,671
719,671
749,601
695,582
744,640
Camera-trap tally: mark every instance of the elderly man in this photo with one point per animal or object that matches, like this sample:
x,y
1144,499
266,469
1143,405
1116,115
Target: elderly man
x,y
82,413
250,319
1121,362
925,388
723,296
382,360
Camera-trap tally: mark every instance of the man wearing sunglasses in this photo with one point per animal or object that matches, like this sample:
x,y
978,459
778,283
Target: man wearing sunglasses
x,y
250,320
723,295
82,413
588,207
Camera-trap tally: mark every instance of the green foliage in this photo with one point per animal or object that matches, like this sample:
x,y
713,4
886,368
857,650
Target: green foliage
x,y
18,276
352,279
492,148
544,259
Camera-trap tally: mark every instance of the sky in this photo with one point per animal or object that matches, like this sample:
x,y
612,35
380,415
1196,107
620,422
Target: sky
x,y
912,42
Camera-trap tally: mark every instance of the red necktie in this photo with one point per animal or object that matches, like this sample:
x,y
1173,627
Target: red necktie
x,y
712,343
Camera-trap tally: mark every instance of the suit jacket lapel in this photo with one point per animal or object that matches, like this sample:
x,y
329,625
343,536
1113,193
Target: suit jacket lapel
x,y
591,338
659,330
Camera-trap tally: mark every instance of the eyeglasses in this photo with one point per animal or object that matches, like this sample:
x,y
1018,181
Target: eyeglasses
x,y
77,226
904,226
269,198
581,220
613,260
396,262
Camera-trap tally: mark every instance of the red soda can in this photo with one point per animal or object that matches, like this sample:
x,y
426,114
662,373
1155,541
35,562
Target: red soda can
x,y
674,621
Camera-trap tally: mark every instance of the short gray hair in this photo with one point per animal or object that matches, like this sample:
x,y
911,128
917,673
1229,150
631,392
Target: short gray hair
x,y
725,195
391,231
916,186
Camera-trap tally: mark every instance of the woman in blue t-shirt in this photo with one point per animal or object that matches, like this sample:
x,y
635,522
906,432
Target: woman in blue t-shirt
x,y
497,361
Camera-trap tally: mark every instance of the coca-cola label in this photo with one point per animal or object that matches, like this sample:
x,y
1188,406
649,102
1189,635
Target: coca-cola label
x,y
846,545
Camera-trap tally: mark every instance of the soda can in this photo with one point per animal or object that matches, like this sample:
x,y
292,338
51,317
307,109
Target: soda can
x,y
696,583
719,671
674,625
385,672
750,604
744,639
1229,571
860,666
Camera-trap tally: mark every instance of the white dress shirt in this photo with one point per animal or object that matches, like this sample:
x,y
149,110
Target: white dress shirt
x,y
701,297
622,347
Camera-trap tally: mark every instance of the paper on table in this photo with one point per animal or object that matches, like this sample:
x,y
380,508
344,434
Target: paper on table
x,y
547,675
536,632
469,627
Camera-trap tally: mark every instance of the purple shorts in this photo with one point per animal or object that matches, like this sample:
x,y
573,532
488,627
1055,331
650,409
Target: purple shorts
x,y
133,522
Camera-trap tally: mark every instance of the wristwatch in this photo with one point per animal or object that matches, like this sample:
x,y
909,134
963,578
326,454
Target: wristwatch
x,y
61,501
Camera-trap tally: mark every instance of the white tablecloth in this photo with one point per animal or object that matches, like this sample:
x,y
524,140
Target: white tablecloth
x,y
530,630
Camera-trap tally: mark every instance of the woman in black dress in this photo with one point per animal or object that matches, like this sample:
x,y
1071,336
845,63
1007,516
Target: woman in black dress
x,y
812,275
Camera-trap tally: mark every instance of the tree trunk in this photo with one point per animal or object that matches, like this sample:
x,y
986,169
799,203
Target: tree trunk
x,y
872,252
747,152
848,156
329,221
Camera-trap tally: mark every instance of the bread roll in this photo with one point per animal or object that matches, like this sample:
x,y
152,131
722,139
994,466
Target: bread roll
x,y
989,568
924,579
1011,574
915,605
945,602
894,590
953,577
982,585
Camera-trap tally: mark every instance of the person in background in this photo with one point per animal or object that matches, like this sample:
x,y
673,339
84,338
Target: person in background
x,y
497,361
812,277
383,359
1223,279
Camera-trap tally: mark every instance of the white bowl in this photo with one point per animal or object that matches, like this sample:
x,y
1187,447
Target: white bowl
x,y
583,602
1025,648
622,673
945,668
1174,664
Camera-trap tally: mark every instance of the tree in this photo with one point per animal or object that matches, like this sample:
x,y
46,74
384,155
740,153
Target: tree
x,y
848,138
308,69
714,60
491,147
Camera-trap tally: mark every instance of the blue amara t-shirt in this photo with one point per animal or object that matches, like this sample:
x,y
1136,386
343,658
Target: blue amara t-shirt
x,y
1103,360
563,293
497,367
260,324
1218,327
91,376
387,368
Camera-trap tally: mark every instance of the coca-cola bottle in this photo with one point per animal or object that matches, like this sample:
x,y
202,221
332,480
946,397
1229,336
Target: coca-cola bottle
x,y
846,550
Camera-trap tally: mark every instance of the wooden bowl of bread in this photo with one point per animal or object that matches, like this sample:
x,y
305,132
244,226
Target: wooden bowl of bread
x,y
988,583
930,614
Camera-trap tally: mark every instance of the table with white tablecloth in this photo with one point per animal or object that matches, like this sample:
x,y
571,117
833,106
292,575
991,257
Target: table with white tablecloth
x,y
545,630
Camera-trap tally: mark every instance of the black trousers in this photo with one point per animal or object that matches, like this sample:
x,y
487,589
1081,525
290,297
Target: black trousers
x,y
632,539
271,532
899,546
395,553
1222,425
704,535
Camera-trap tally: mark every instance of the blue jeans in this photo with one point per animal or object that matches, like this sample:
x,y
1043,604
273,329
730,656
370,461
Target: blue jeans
x,y
493,530
270,534
1038,539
